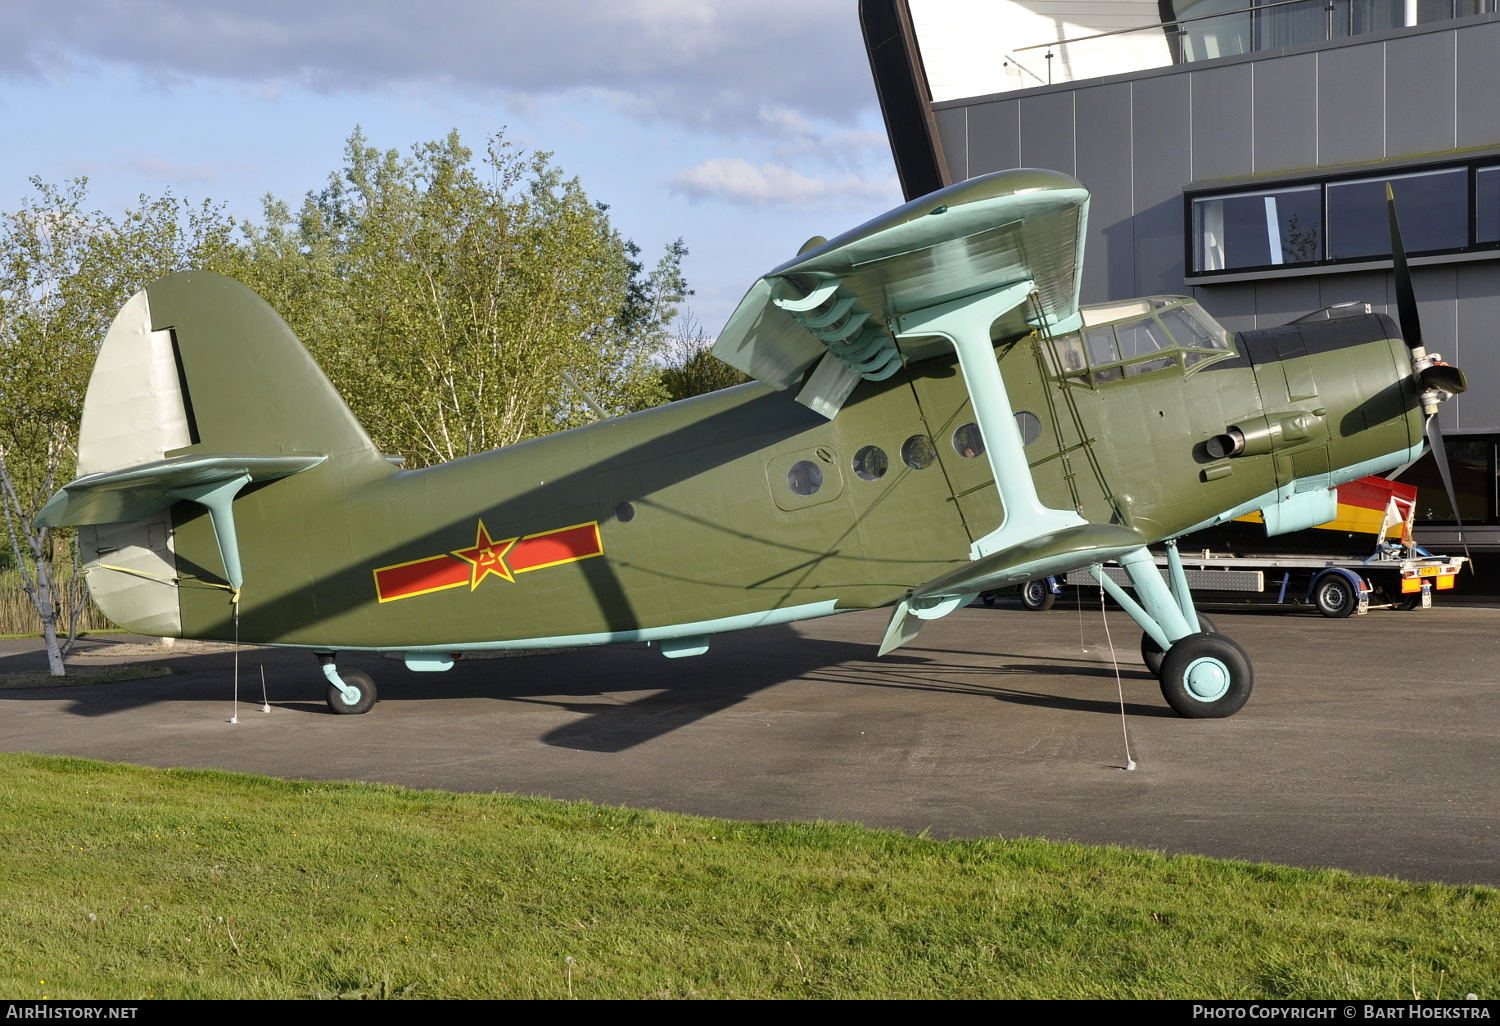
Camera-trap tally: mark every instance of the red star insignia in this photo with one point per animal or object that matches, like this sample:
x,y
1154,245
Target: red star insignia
x,y
487,557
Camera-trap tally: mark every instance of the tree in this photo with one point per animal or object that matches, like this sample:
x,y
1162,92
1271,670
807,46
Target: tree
x,y
64,273
691,369
450,308
457,308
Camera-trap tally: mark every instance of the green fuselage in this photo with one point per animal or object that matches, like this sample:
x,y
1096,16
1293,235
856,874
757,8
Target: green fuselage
x,y
699,522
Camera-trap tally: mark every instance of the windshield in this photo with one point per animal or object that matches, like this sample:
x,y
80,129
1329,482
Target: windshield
x,y
1122,340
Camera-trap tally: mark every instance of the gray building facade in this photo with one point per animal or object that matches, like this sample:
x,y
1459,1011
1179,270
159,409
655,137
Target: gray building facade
x,y
1181,157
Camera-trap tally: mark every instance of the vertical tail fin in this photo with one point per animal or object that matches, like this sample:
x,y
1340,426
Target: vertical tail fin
x,y
199,389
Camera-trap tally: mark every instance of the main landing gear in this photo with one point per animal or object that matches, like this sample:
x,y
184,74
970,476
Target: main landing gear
x,y
1203,674
350,692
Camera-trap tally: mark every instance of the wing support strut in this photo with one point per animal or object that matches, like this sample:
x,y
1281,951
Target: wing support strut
x,y
1165,613
218,498
966,323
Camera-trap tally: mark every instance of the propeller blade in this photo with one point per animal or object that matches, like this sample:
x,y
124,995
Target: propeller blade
x,y
1406,299
1440,457
1446,377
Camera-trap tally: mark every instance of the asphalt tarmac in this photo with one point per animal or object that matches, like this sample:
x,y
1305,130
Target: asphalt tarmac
x,y
1371,744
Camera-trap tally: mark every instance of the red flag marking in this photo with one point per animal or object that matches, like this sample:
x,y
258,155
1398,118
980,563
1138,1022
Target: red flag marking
x,y
419,577
564,545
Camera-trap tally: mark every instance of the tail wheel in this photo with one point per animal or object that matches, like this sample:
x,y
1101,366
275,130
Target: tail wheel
x,y
1335,596
1206,676
1151,653
1037,596
357,681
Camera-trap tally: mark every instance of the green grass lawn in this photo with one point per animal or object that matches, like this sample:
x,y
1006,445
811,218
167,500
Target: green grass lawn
x,y
123,882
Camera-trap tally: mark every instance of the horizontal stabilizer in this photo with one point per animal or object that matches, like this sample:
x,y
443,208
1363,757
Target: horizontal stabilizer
x,y
135,493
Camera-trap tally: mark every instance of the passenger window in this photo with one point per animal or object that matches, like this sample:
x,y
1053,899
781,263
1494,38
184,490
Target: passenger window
x,y
870,463
918,452
805,477
968,442
1029,426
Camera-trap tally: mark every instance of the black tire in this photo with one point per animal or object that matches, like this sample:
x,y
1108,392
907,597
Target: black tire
x,y
1335,596
1037,596
988,597
1151,653
1206,677
360,681
1406,603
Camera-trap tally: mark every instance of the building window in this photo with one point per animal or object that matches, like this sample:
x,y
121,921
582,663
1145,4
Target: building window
x,y
1472,461
1487,205
1257,229
1433,206
1206,29
1344,218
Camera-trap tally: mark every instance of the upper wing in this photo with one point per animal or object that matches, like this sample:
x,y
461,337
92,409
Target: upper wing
x,y
836,300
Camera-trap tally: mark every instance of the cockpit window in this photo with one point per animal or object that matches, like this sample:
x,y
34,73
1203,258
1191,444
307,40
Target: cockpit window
x,y
1192,333
1125,340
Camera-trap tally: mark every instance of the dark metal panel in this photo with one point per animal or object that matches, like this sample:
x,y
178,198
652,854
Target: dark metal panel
x,y
1161,163
1282,301
953,134
1286,114
1477,350
1047,132
905,102
1102,116
1419,93
1160,113
994,137
1478,71
1351,104
1221,121
1232,305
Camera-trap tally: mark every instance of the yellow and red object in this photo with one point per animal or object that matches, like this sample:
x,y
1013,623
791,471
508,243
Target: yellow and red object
x,y
486,557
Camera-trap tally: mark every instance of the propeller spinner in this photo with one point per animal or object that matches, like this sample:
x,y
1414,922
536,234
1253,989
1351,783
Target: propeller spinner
x,y
1436,380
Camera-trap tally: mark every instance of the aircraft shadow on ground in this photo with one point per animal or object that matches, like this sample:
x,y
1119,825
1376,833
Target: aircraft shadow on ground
x,y
586,682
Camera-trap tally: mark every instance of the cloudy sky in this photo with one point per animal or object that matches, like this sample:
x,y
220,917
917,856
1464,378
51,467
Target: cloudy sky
x,y
742,126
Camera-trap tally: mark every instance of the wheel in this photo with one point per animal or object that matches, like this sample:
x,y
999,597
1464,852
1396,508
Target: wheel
x,y
1335,596
1037,596
1206,676
988,597
360,682
1151,653
1406,603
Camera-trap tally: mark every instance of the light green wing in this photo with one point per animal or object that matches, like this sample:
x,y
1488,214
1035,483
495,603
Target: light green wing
x,y
834,303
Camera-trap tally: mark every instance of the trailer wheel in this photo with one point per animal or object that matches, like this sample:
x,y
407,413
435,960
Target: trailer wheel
x,y
1151,653
1335,596
1206,676
1406,603
1037,596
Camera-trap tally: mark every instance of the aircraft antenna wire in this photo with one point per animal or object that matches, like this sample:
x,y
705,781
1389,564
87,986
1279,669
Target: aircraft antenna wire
x,y
235,718
1119,684
1082,647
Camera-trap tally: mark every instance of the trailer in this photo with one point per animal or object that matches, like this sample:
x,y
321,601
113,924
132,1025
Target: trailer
x,y
1399,574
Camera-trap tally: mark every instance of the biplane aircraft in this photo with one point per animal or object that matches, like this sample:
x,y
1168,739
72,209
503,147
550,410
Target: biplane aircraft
x,y
933,415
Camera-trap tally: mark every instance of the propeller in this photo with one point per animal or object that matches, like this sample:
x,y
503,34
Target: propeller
x,y
1436,380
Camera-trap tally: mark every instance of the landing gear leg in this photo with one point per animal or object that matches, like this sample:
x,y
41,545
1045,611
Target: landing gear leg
x,y
1203,674
350,692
